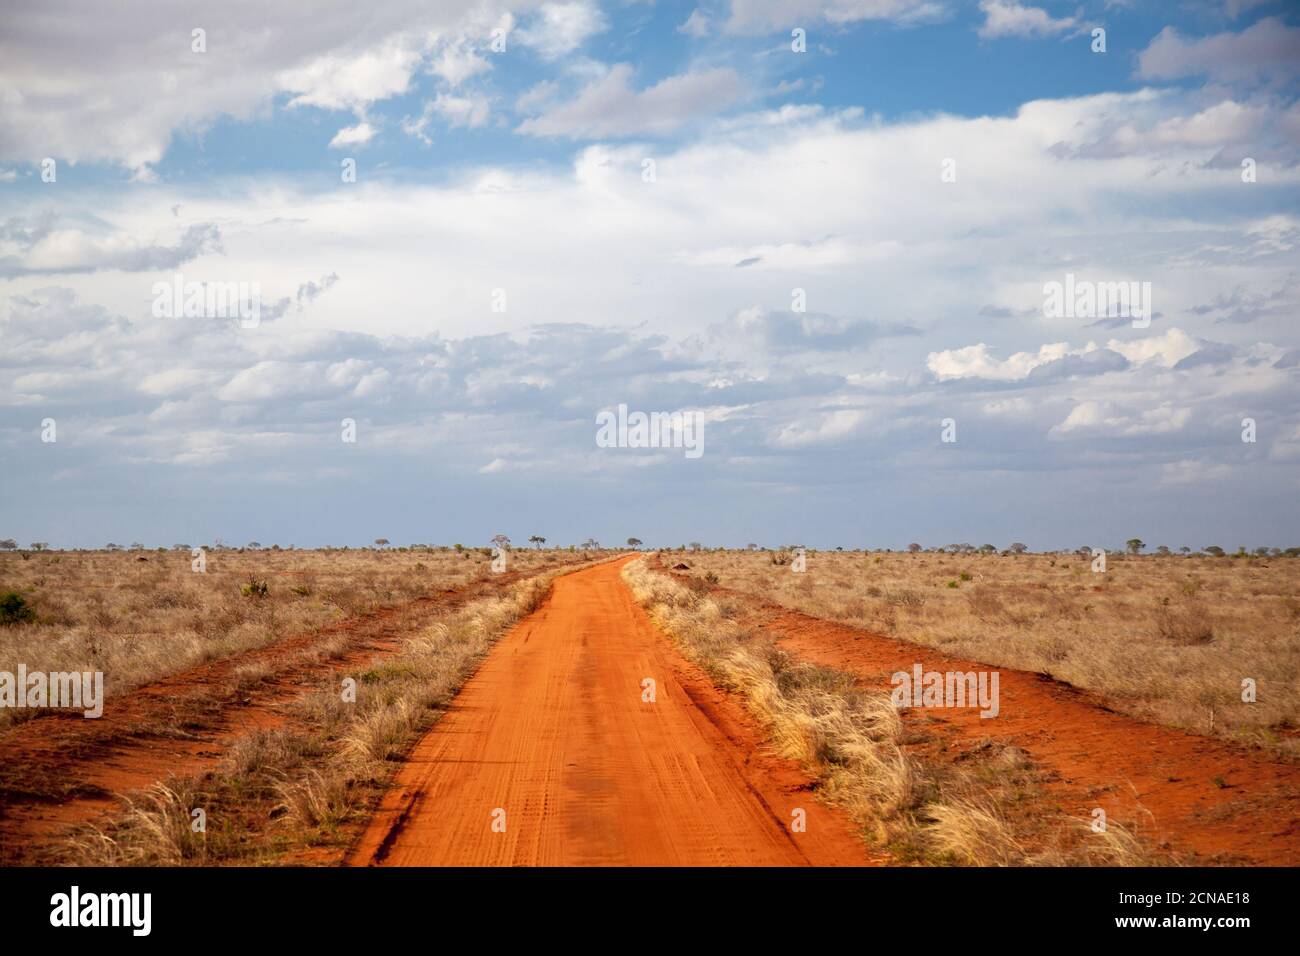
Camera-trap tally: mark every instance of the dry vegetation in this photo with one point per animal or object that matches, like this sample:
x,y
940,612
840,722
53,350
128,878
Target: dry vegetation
x,y
142,615
853,742
1166,639
290,794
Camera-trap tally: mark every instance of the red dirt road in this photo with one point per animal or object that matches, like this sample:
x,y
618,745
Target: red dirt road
x,y
552,733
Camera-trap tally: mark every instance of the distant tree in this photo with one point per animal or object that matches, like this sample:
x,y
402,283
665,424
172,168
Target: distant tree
x,y
536,540
1163,550
40,545
1292,552
112,547
988,549
502,541
1018,548
751,547
381,542
1135,545
1262,552
1215,550
8,544
914,547
136,546
1185,549
253,546
591,544
696,546
634,542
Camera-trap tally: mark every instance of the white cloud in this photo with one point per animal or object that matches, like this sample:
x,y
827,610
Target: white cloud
x,y
88,83
537,96
696,25
1167,350
1096,417
471,111
977,361
820,428
610,107
339,81
560,28
1267,51
755,16
1006,18
457,62
356,135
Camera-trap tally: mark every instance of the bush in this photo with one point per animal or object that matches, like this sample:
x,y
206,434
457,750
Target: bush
x,y
14,609
254,588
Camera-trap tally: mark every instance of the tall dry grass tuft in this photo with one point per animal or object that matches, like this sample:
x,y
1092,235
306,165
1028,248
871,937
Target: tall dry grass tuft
x,y
156,829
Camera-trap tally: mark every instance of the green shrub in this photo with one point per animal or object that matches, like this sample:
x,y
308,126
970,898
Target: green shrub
x,y
14,609
255,588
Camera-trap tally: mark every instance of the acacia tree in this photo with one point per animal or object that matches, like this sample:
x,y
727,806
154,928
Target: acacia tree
x,y
1018,548
914,547
536,540
8,544
1135,545
381,542
634,542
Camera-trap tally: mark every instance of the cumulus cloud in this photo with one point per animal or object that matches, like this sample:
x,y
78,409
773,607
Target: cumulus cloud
x,y
42,247
1268,51
1109,418
356,135
558,29
1006,18
82,83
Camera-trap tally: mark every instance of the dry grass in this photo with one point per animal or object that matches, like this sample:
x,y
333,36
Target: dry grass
x,y
141,616
1165,639
283,792
852,742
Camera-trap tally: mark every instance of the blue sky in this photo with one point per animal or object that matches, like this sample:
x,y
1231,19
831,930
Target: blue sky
x,y
521,170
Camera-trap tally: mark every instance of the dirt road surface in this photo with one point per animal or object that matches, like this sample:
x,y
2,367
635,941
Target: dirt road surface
x,y
550,755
